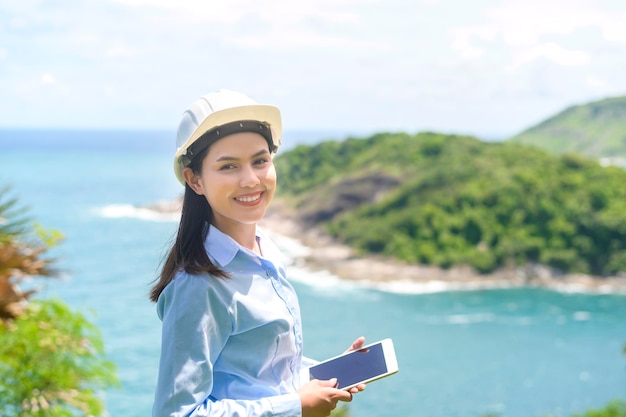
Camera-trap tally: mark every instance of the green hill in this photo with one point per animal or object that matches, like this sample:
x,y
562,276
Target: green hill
x,y
448,200
596,129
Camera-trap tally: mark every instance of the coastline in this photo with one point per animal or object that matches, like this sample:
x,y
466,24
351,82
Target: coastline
x,y
324,254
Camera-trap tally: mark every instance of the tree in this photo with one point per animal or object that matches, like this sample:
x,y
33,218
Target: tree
x,y
52,360
21,256
52,364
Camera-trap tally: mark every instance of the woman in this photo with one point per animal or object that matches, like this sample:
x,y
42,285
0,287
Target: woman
x,y
232,335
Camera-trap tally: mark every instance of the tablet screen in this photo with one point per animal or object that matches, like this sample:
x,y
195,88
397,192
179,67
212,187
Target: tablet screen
x,y
356,367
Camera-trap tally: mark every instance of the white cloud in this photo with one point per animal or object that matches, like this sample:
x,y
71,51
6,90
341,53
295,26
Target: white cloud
x,y
47,79
525,26
17,23
385,63
303,39
120,51
276,11
270,24
541,51
525,23
553,53
595,82
463,40
614,29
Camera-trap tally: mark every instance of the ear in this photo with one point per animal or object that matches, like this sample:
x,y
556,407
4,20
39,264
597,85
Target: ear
x,y
193,181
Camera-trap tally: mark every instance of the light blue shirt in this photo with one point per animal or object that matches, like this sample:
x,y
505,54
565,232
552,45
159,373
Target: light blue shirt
x,y
233,346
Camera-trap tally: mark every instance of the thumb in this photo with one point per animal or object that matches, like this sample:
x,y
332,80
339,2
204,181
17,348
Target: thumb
x,y
329,383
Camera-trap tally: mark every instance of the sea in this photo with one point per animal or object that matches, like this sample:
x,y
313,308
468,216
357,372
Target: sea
x,y
504,352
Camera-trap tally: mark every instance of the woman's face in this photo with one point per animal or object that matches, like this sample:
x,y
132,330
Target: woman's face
x,y
237,178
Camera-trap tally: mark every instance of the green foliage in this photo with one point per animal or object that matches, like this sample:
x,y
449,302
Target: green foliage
x,y
12,221
52,364
22,255
49,237
615,408
594,129
51,359
462,201
306,167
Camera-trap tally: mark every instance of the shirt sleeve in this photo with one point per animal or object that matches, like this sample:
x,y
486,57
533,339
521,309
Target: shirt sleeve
x,y
196,326
308,362
287,405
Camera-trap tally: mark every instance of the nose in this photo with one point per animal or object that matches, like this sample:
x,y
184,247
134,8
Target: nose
x,y
249,178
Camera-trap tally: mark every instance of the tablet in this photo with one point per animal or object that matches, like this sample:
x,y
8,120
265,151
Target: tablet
x,y
370,363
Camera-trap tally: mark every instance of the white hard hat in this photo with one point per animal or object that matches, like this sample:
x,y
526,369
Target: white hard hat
x,y
213,116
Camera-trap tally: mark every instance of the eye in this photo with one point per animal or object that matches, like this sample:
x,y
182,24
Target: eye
x,y
227,167
261,161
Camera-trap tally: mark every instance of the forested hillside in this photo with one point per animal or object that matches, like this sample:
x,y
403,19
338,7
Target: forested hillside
x,y
596,129
449,200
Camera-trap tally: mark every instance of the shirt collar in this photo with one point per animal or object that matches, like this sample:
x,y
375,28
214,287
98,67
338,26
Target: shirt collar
x,y
223,248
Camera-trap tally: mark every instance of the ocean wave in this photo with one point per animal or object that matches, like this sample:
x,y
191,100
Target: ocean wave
x,y
581,316
292,248
470,318
578,288
119,211
323,279
407,286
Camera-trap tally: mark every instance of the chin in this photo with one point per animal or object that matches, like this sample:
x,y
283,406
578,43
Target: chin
x,y
252,219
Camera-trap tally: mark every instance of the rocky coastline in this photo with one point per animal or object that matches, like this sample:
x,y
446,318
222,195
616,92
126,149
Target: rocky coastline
x,y
324,254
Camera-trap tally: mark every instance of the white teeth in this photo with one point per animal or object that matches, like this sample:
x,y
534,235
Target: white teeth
x,y
248,199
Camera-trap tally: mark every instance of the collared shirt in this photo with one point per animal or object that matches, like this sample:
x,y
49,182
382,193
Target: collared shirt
x,y
230,346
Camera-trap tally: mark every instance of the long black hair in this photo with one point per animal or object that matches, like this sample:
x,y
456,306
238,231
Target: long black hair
x,y
187,252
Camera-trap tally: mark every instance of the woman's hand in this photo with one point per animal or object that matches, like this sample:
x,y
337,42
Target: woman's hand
x,y
319,398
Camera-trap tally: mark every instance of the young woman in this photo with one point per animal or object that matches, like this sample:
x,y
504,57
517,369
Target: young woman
x,y
231,335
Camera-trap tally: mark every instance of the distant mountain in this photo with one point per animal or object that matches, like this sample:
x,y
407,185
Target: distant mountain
x,y
596,129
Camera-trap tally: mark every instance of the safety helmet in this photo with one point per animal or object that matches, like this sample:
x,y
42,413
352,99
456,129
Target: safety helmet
x,y
218,114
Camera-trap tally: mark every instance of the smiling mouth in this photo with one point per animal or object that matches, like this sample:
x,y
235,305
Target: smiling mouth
x,y
248,199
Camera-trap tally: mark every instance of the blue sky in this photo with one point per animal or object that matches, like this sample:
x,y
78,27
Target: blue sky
x,y
483,67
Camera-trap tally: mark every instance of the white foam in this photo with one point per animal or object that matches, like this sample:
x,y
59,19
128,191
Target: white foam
x,y
323,279
408,286
577,288
118,211
319,279
470,318
291,247
295,253
582,316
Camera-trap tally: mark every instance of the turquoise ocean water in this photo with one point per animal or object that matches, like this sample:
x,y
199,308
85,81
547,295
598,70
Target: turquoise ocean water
x,y
516,352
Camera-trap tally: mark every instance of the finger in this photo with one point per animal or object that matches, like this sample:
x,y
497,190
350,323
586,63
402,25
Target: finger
x,y
357,344
357,389
332,383
344,396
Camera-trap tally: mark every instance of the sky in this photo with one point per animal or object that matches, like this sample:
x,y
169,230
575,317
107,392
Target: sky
x,y
489,68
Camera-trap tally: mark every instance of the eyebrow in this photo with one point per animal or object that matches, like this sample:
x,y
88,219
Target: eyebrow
x,y
232,158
